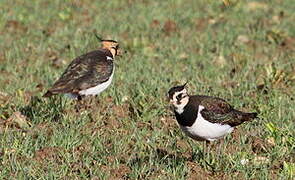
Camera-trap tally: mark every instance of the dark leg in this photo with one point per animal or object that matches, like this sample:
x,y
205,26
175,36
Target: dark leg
x,y
208,144
91,101
78,103
97,100
206,148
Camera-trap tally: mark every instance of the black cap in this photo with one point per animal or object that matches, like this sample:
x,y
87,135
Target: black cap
x,y
175,89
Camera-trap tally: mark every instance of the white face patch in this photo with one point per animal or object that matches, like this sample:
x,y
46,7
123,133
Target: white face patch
x,y
179,105
113,51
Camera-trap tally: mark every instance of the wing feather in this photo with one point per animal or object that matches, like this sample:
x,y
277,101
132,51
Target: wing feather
x,y
217,110
84,72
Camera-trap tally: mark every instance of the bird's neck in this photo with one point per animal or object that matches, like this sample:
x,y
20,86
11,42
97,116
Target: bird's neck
x,y
188,116
112,51
179,106
109,52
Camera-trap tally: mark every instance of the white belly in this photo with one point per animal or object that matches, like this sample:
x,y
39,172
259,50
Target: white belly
x,y
205,130
97,89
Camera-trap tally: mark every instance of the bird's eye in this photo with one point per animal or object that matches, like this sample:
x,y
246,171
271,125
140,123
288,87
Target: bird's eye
x,y
179,96
115,47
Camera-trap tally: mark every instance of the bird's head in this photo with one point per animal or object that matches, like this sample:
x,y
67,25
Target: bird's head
x,y
111,45
178,97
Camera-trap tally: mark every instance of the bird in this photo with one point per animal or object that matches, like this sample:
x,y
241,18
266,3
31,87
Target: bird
x,y
89,74
205,118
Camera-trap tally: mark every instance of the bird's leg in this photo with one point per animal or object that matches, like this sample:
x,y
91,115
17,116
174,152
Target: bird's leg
x,y
85,102
91,100
192,156
219,149
200,154
79,103
208,148
206,151
88,103
97,99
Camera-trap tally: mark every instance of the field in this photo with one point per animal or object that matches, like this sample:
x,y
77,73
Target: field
x,y
243,52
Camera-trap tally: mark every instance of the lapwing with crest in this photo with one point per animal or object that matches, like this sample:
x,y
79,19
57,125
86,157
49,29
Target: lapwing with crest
x,y
89,74
205,118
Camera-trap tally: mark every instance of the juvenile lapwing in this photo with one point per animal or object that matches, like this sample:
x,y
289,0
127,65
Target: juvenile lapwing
x,y
205,118
88,74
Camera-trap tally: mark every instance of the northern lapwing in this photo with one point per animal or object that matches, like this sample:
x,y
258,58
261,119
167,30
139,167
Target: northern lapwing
x,y
88,74
205,118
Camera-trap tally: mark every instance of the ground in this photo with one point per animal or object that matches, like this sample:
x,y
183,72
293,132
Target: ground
x,y
242,51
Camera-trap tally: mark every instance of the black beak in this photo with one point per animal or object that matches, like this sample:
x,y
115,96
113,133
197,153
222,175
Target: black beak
x,y
167,98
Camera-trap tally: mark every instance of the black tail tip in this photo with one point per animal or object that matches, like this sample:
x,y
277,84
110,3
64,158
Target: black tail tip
x,y
47,94
254,115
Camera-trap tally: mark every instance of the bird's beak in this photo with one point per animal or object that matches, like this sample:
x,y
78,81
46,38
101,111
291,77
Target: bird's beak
x,y
167,98
121,52
171,101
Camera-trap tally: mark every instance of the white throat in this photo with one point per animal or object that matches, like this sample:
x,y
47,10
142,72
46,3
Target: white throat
x,y
179,108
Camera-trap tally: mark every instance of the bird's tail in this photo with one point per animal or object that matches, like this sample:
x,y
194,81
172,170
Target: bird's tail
x,y
252,115
247,116
243,117
48,94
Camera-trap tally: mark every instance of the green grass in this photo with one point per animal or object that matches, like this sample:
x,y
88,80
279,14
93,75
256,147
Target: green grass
x,y
243,53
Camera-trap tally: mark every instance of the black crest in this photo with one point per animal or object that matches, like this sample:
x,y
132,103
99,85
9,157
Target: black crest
x,y
175,89
101,40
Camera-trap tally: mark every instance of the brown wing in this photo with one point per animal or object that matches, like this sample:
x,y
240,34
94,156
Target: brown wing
x,y
84,72
216,105
217,110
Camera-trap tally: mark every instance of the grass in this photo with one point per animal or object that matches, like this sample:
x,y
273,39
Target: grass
x,y
243,53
